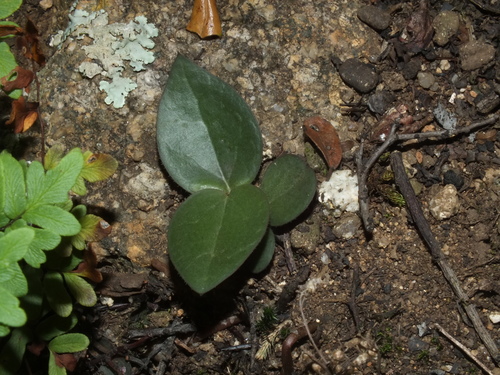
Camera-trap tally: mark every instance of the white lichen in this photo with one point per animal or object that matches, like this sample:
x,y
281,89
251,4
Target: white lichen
x,y
113,45
340,192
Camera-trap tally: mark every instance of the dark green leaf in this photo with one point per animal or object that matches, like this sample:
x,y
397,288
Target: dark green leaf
x,y
55,325
32,303
212,233
57,296
69,343
263,254
207,135
80,289
12,352
54,219
290,185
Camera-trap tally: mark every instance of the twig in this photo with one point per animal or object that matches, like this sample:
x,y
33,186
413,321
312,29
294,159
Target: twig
x,y
364,170
423,227
287,346
462,348
324,362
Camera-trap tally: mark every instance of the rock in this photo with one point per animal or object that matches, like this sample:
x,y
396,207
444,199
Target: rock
x,y
426,79
411,69
445,118
445,26
360,76
444,203
393,80
374,17
380,101
415,344
347,226
476,54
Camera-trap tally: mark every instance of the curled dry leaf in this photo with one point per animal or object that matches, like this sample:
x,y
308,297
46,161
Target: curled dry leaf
x,y
205,19
419,30
22,80
87,268
23,115
10,30
326,139
66,360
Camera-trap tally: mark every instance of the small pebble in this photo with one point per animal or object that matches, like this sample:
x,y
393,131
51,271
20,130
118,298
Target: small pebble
x,y
374,17
425,79
453,178
380,101
417,345
347,226
444,203
476,54
362,77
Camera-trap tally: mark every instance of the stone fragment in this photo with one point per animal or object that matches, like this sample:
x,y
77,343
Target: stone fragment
x,y
374,17
444,204
360,76
445,25
347,226
476,54
426,79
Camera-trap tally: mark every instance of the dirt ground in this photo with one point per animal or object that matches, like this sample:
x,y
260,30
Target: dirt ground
x,y
372,298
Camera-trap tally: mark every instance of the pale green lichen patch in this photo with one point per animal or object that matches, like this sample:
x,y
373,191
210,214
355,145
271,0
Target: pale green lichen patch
x,y
113,45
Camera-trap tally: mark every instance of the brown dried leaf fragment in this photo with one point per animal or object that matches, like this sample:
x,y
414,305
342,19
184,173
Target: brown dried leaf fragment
x,y
205,19
88,267
419,30
30,45
10,30
326,139
23,115
22,80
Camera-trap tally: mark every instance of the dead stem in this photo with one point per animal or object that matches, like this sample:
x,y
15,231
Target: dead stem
x,y
423,227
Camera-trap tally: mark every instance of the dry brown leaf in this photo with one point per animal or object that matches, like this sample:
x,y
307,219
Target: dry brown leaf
x,y
326,139
22,80
23,115
205,19
6,30
87,268
29,44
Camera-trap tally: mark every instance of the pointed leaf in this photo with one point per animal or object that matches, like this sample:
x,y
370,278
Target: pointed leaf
x,y
207,135
263,254
69,343
53,187
57,296
13,190
80,289
54,219
213,233
290,185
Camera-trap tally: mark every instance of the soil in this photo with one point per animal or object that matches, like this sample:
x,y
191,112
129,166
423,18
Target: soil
x,y
373,298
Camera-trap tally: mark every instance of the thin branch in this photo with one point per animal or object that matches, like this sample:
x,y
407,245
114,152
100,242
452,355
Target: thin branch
x,y
423,227
462,347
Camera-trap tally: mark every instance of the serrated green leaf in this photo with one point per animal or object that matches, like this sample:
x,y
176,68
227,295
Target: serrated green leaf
x,y
207,135
80,289
10,312
69,343
53,186
7,64
98,167
57,295
53,218
16,283
93,229
213,233
55,325
7,7
12,352
14,186
263,253
290,185
14,245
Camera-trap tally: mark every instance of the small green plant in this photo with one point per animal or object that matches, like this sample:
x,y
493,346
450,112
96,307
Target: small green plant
x,y
268,320
41,275
385,342
7,60
210,144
